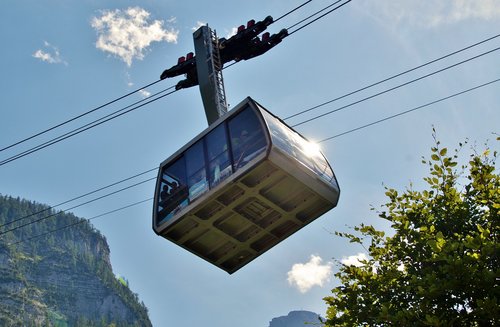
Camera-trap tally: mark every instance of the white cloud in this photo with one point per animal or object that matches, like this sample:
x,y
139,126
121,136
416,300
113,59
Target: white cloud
x,y
172,20
128,33
354,260
44,56
49,55
144,93
304,276
198,25
232,32
431,13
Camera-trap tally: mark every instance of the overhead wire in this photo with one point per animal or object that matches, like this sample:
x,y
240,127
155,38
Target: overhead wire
x,y
81,221
394,76
74,207
291,11
318,18
314,14
91,125
78,116
411,110
77,197
303,20
393,88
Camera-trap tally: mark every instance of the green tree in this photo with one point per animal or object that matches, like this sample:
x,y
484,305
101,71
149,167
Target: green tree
x,y
440,264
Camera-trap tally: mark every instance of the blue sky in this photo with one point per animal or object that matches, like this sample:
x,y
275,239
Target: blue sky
x,y
60,59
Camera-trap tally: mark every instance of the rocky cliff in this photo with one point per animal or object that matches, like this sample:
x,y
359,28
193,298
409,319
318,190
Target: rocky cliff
x,y
55,275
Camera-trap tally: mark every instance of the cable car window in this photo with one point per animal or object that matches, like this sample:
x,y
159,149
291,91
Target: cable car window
x,y
247,137
306,152
196,171
174,193
219,165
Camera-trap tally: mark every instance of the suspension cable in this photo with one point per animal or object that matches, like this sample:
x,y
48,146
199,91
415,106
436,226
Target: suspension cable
x,y
410,110
291,11
317,18
90,125
394,88
79,222
77,197
394,76
316,13
76,206
79,116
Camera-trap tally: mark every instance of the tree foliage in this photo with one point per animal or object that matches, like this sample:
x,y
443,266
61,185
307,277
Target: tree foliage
x,y
440,265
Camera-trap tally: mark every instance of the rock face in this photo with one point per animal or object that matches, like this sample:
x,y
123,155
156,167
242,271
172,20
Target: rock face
x,y
295,319
54,275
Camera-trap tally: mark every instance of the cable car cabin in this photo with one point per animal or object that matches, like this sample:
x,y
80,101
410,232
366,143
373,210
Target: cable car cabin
x,y
240,187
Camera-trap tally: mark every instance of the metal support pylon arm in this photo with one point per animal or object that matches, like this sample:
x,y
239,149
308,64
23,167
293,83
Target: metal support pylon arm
x,y
209,73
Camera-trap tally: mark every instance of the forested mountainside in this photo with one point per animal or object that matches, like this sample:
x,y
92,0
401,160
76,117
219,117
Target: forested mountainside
x,y
62,278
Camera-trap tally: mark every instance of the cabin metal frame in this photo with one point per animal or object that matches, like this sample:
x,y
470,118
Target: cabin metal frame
x,y
275,194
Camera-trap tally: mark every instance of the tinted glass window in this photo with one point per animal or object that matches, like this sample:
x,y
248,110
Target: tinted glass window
x,y
196,172
292,143
219,165
173,190
216,141
195,158
247,137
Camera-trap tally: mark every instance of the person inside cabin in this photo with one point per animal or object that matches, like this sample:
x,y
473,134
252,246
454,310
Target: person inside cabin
x,y
172,197
169,189
164,193
174,187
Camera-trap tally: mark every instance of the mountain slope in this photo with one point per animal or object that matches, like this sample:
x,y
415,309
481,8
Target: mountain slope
x,y
63,278
295,319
